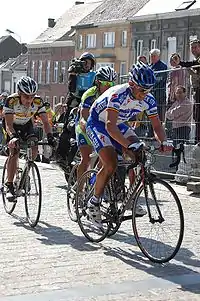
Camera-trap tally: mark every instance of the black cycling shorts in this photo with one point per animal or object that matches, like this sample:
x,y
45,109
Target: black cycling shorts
x,y
25,131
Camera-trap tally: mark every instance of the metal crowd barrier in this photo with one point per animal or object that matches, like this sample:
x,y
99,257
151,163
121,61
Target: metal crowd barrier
x,y
181,122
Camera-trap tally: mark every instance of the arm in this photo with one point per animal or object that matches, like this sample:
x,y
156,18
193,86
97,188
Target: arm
x,y
188,64
112,128
47,127
159,131
9,124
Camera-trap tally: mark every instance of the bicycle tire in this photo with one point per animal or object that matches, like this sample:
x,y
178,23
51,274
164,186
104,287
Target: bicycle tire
x,y
71,195
181,217
33,222
81,209
10,209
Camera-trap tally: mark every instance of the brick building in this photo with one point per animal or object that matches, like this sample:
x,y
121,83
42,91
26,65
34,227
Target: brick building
x,y
50,54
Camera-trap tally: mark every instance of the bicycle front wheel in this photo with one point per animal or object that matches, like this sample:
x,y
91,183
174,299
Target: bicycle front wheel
x,y
159,233
33,195
93,232
71,193
8,206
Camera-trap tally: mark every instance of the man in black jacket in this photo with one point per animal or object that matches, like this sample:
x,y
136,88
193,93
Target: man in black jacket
x,y
195,71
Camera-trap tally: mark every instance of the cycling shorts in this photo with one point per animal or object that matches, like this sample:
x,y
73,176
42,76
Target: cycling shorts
x,y
81,137
100,137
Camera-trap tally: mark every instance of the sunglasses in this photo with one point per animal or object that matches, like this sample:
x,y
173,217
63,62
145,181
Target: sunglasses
x,y
106,83
142,90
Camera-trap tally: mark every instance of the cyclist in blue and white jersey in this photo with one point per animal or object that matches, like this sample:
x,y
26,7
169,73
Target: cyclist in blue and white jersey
x,y
107,130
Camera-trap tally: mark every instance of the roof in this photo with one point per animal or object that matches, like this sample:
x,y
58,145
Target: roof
x,y
64,24
3,38
18,63
154,7
113,10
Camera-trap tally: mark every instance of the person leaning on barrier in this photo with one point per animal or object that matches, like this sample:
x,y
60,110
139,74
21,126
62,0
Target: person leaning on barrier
x,y
180,113
195,72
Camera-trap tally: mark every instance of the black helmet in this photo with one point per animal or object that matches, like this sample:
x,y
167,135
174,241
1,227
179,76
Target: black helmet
x,y
87,55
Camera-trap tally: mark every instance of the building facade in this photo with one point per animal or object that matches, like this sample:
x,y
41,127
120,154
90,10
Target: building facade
x,y
107,33
50,54
169,31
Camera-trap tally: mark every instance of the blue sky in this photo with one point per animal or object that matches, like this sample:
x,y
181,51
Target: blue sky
x,y
28,18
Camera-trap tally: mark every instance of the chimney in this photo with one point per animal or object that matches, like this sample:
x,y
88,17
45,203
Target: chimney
x,y
51,22
79,2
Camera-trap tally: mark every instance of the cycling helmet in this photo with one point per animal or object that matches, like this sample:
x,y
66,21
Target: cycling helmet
x,y
4,94
89,56
27,85
142,75
106,73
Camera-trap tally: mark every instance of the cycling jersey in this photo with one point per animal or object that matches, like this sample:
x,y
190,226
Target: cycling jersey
x,y
119,98
86,102
21,113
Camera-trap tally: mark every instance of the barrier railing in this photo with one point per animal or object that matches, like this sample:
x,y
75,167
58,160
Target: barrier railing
x,y
179,111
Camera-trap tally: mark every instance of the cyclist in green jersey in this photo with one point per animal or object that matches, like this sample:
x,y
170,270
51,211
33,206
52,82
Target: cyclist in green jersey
x,y
105,78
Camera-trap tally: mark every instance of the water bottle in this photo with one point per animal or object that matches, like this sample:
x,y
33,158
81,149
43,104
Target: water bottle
x,y
92,179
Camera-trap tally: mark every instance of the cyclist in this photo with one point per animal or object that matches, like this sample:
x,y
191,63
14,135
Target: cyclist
x,y
107,130
19,110
81,78
105,78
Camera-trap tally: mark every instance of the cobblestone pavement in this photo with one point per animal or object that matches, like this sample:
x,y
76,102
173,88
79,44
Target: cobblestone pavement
x,y
54,262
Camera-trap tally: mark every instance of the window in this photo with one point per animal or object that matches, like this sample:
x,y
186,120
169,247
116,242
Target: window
x,y
33,69
185,5
80,41
123,68
153,44
171,47
55,72
54,102
109,39
191,56
139,48
62,99
48,66
91,41
98,65
62,72
39,72
124,38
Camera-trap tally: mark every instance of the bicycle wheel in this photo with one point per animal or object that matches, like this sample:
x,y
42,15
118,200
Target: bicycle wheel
x,y
85,188
8,206
159,233
33,195
71,193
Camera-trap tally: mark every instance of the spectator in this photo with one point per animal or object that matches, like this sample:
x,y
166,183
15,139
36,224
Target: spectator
x,y
195,49
159,90
181,115
142,58
176,78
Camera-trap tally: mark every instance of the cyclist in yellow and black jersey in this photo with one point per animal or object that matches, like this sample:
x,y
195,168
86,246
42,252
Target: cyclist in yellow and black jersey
x,y
19,111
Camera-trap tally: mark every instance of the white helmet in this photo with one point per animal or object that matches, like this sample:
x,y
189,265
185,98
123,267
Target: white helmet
x,y
106,74
27,85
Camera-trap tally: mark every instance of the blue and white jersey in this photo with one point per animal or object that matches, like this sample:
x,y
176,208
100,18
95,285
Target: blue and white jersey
x,y
120,99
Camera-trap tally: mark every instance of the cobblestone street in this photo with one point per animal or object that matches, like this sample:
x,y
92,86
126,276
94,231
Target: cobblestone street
x,y
54,262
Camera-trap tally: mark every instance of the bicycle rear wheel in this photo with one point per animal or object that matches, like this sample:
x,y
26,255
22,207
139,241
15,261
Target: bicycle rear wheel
x,y
8,206
33,195
71,193
85,189
159,233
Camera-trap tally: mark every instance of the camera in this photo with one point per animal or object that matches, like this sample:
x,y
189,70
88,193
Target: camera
x,y
76,66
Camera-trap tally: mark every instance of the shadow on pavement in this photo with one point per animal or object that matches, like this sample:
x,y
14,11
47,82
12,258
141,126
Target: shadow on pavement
x,y
170,271
54,235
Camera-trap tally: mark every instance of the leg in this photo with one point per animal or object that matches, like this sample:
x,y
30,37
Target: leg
x,y
85,151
